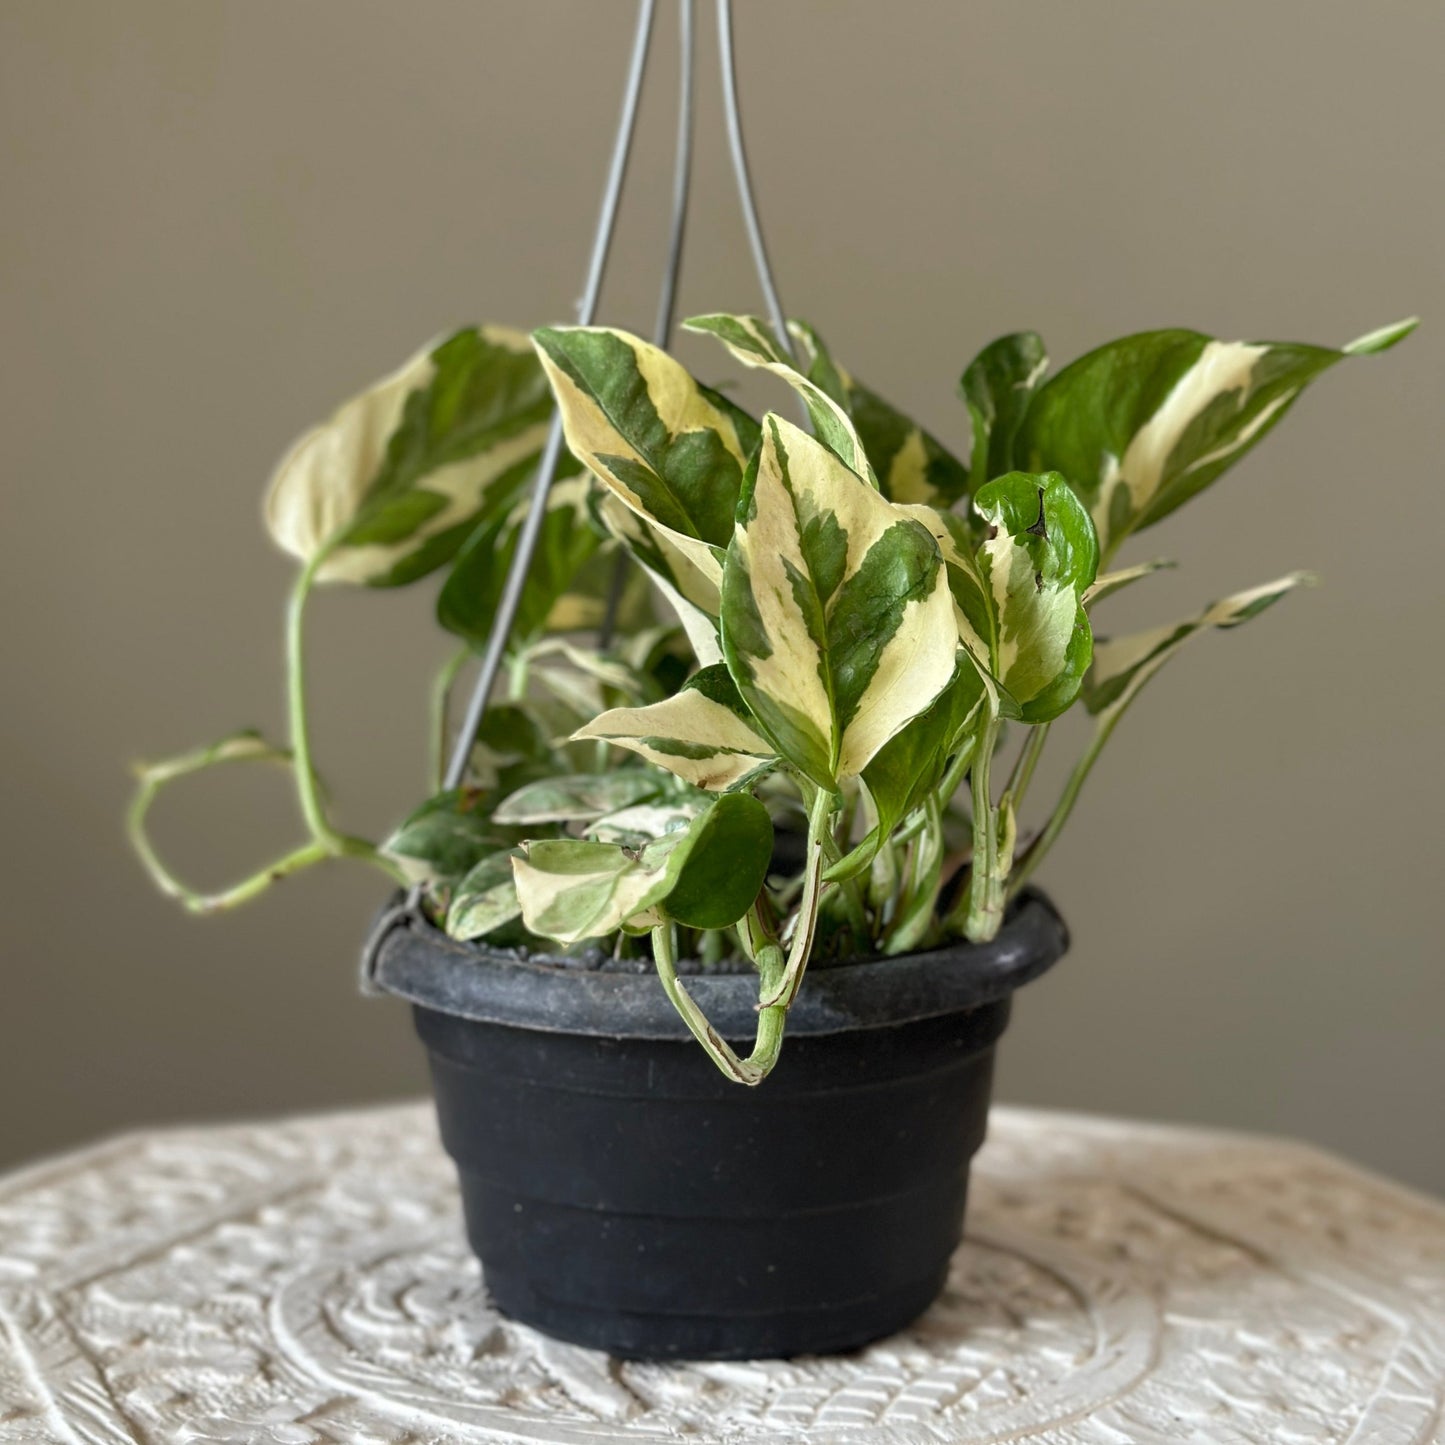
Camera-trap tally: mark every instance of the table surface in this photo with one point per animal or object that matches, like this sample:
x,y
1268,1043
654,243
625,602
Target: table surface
x,y
1121,1284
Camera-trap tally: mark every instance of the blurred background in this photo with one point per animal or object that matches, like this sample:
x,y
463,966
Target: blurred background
x,y
221,219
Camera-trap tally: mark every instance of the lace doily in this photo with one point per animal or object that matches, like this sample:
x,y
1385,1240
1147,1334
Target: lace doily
x,y
307,1281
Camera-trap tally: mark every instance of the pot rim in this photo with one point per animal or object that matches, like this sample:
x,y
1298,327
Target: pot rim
x,y
422,965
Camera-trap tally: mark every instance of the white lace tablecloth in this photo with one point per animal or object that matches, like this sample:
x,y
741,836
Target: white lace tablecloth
x,y
1121,1284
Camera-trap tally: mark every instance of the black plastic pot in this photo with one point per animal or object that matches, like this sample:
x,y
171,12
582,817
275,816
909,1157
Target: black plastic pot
x,y
621,1193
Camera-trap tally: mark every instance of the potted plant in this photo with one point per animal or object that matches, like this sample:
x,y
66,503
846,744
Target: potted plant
x,y
769,779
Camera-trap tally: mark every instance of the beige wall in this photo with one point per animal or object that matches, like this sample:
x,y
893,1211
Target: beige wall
x,y
220,218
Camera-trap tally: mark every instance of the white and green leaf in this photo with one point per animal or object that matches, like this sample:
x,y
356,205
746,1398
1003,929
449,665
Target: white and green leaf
x,y
578,797
390,487
446,837
837,622
1143,424
643,823
689,581
706,876
754,343
1112,582
912,763
704,734
1122,666
1019,594
671,450
1038,558
911,464
484,900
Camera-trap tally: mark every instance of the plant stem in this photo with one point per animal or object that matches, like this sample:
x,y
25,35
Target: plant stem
x,y
441,698
156,775
915,916
769,1040
820,813
985,896
308,785
956,769
852,892
1026,762
517,673
1035,853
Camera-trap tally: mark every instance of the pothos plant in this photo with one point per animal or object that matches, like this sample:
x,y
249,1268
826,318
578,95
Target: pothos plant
x,y
790,749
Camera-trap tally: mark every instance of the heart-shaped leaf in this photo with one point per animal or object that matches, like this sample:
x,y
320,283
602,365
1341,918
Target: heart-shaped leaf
x,y
390,487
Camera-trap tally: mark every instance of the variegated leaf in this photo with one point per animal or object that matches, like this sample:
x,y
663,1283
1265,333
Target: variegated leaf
x,y
971,596
911,764
837,622
669,448
1039,556
1018,596
706,876
1112,582
704,734
1144,423
910,463
641,824
484,900
690,583
390,487
570,889
578,797
446,837
997,388
754,343
1122,666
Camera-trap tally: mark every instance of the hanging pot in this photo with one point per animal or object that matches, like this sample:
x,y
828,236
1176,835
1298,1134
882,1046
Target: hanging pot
x,y
622,1194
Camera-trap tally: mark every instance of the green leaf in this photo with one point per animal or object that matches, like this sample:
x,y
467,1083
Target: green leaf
x,y
578,797
721,863
511,749
484,900
997,388
704,734
911,464
705,877
389,488
1039,558
668,448
467,603
447,837
837,623
1121,667
637,826
754,343
1143,424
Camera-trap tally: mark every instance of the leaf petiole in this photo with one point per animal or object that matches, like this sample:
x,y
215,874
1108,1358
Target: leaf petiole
x,y
771,1020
